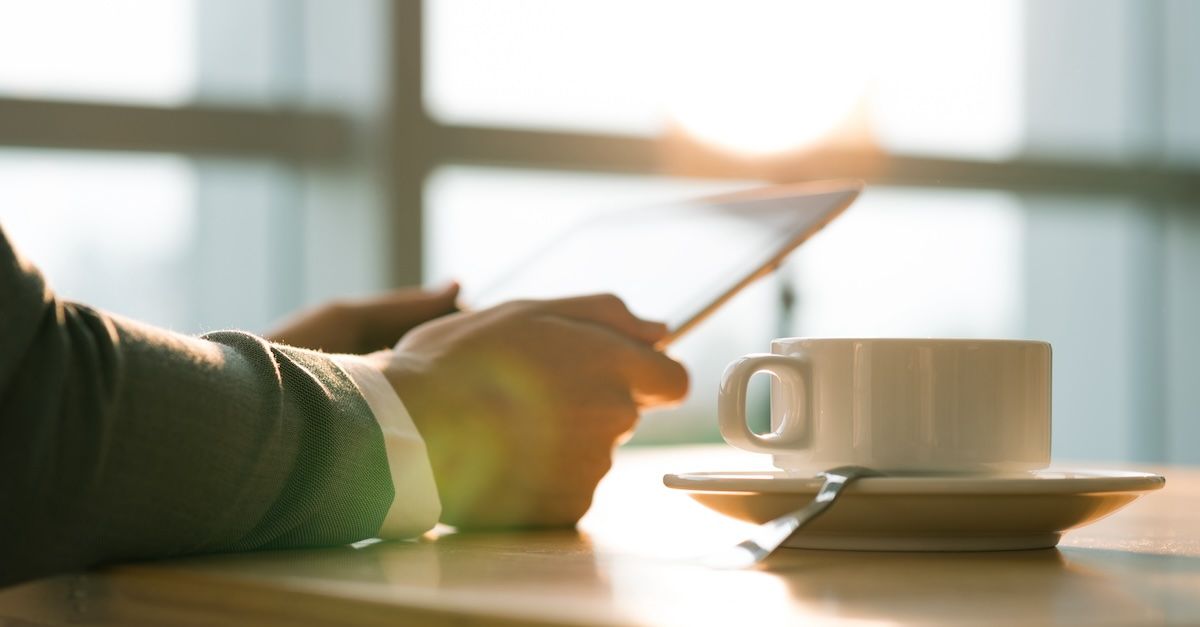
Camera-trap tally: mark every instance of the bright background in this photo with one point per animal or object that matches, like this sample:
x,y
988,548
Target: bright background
x,y
201,241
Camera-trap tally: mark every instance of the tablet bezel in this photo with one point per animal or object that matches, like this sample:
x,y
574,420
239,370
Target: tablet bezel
x,y
854,189
851,188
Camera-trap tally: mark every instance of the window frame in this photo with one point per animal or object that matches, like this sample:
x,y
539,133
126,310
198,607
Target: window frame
x,y
413,144
397,145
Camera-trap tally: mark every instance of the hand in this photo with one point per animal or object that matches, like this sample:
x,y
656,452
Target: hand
x,y
359,327
521,405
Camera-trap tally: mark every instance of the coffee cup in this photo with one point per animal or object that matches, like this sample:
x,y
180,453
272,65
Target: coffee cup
x,y
897,405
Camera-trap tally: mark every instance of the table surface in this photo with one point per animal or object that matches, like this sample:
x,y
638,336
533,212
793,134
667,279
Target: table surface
x,y
632,562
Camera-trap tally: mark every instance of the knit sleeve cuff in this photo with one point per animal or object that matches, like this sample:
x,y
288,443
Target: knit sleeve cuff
x,y
415,507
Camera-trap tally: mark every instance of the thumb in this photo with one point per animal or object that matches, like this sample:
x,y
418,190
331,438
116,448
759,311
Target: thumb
x,y
448,292
423,303
439,300
388,317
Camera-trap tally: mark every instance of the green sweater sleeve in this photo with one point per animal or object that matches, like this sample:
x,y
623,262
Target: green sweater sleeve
x,y
120,441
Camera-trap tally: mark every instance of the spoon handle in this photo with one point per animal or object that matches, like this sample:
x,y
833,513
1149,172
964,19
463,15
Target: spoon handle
x,y
769,536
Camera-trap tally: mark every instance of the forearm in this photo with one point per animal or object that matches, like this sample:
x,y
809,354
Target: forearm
x,y
121,441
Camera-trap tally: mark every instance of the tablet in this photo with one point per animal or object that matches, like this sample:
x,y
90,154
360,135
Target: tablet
x,y
677,262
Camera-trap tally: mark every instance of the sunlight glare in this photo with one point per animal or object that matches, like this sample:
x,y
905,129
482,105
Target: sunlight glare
x,y
766,76
116,50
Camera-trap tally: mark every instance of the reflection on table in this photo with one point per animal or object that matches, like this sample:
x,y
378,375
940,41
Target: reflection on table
x,y
633,562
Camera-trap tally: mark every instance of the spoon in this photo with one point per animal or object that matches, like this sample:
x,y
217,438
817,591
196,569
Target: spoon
x,y
770,535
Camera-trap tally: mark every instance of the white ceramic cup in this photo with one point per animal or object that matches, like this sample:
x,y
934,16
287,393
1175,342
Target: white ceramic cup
x,y
898,405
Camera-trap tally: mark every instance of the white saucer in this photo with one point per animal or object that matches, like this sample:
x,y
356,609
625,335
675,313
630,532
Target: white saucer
x,y
926,513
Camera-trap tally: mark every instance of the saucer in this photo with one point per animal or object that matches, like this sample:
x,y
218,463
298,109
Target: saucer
x,y
926,513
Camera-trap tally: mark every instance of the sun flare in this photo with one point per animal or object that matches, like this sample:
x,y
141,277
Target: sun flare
x,y
757,84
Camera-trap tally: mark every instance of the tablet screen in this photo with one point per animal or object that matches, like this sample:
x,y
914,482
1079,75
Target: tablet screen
x,y
675,262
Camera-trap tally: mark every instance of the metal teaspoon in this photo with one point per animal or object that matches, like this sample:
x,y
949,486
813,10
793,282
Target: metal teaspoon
x,y
770,535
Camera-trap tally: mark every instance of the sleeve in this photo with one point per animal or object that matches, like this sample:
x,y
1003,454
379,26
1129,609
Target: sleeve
x,y
120,441
415,507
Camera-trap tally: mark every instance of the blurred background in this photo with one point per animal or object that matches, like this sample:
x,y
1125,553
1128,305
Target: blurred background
x,y
1033,167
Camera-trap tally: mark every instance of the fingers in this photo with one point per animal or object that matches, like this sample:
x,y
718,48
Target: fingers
x,y
604,332
656,379
386,318
606,310
417,302
652,377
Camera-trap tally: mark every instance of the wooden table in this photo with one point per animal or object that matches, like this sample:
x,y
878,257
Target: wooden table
x,y
629,564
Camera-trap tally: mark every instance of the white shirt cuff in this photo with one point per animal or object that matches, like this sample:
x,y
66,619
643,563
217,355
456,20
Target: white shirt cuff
x,y
415,507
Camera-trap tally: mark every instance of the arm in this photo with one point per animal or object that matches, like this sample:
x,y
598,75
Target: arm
x,y
121,441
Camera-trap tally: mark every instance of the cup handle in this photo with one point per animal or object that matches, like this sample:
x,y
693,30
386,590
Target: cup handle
x,y
790,371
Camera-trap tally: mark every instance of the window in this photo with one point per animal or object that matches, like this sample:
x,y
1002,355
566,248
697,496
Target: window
x,y
149,160
124,50
110,230
801,68
1030,173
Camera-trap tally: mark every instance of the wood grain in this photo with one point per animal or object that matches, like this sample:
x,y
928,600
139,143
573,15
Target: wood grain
x,y
631,563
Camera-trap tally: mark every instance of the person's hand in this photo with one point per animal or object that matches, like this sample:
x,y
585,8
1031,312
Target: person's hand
x,y
521,405
363,326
